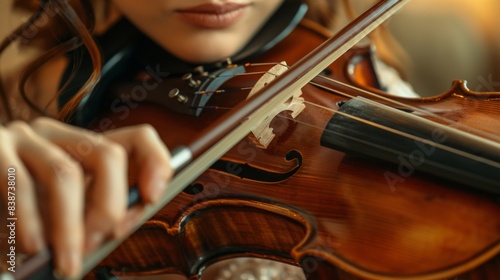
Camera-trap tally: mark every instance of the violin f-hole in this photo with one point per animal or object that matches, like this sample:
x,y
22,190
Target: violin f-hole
x,y
249,172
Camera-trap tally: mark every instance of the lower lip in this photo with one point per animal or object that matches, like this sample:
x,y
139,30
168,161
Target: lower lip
x,y
212,20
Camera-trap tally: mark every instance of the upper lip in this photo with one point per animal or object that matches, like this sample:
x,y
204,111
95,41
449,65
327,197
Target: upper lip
x,y
211,8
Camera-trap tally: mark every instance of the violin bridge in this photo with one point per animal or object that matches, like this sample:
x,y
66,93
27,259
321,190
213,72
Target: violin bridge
x,y
263,134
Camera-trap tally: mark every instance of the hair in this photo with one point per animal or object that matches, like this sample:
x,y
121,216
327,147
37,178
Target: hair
x,y
65,25
55,27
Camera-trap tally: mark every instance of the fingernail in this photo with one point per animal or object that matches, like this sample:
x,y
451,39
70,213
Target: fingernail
x,y
92,240
157,189
35,243
131,221
68,265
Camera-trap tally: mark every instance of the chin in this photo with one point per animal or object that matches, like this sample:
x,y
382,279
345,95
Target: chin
x,y
203,57
205,50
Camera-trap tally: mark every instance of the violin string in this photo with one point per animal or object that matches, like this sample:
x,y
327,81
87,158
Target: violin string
x,y
454,124
246,74
408,136
391,101
382,127
209,91
388,129
211,107
429,161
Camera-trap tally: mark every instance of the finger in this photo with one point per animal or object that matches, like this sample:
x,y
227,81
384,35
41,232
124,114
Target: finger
x,y
106,161
107,202
19,197
131,220
150,157
61,180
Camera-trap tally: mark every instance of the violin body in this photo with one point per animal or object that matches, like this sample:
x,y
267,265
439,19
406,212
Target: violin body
x,y
337,215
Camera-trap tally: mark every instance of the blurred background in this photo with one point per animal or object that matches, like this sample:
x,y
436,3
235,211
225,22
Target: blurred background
x,y
450,39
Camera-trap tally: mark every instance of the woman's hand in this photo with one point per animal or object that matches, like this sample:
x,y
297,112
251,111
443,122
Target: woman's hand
x,y
72,184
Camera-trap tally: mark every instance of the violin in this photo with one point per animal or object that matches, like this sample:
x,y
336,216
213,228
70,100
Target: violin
x,y
342,179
